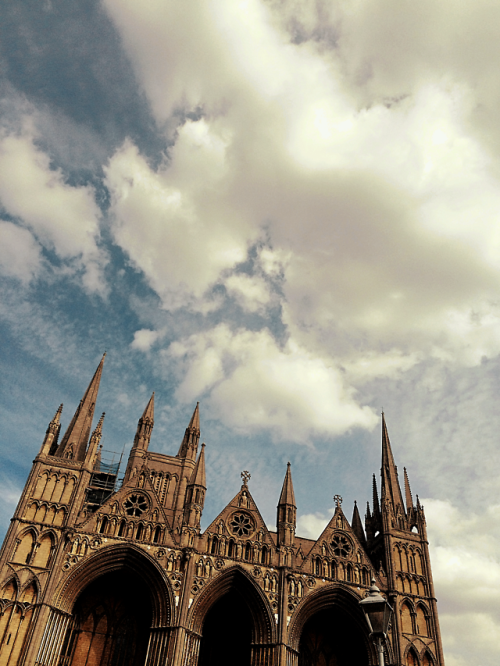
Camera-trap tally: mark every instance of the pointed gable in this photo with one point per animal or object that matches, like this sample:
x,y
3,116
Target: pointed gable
x,y
239,522
133,512
338,552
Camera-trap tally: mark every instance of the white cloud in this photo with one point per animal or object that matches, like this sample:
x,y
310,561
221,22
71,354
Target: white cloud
x,y
465,559
19,252
63,218
311,525
144,339
255,384
251,292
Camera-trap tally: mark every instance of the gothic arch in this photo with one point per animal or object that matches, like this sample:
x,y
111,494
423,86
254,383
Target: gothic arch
x,y
323,599
116,558
264,625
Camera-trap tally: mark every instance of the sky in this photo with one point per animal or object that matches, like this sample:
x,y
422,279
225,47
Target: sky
x,y
287,210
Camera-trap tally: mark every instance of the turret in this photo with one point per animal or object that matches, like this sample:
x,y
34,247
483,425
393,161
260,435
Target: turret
x,y
74,443
93,450
195,495
357,526
145,426
189,446
287,512
52,434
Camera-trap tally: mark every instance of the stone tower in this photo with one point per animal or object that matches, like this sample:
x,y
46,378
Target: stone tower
x,y
92,574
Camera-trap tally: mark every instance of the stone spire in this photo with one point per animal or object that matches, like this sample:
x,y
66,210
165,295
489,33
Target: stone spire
x,y
357,526
390,489
198,477
287,511
74,443
145,426
287,495
195,498
409,498
189,445
52,434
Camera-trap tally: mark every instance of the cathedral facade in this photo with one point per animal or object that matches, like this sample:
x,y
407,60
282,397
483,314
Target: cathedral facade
x,y
96,575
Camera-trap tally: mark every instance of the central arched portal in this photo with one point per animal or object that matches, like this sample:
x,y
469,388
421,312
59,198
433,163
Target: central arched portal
x,y
330,638
112,619
227,633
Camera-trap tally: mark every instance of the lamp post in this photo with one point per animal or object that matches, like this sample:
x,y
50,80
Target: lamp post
x,y
378,613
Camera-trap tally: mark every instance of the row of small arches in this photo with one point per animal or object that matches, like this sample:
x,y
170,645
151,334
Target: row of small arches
x,y
415,619
341,571
408,558
412,658
45,513
409,584
248,551
131,530
33,550
54,487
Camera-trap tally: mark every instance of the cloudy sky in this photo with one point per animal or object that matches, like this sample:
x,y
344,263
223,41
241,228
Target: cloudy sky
x,y
287,210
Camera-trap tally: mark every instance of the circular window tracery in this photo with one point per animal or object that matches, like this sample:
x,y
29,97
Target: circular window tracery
x,y
135,505
241,524
341,545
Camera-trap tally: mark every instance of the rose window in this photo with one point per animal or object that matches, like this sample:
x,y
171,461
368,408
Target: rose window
x,y
341,546
135,505
241,524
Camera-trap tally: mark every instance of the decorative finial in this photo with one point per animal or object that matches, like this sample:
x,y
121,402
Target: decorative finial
x,y
246,477
338,500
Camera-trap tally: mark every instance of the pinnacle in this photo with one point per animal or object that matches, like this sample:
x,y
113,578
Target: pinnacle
x,y
149,411
195,419
198,477
287,495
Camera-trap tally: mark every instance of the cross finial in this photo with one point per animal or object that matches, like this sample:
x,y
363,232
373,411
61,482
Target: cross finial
x,y
337,499
246,477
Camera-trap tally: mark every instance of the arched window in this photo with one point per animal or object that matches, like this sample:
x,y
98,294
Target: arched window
x,y
140,529
248,552
24,549
121,529
43,552
263,555
103,525
411,658
422,626
427,660
157,534
230,548
317,566
406,618
29,594
9,590
215,546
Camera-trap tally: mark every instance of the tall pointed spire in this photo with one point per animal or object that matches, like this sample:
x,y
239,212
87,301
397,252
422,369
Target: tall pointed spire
x,y
189,445
287,511
198,477
408,497
74,443
390,484
52,434
145,425
287,495
357,525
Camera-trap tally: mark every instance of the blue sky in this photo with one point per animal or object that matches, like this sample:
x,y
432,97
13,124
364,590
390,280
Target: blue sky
x,y
287,210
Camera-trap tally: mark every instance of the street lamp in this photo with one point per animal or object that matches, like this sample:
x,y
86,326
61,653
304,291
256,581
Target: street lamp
x,y
378,613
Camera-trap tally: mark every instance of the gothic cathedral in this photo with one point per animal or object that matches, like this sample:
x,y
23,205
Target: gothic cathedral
x,y
92,574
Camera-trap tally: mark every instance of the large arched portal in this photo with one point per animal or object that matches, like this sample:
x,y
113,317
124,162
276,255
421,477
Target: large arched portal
x,y
330,638
112,619
227,633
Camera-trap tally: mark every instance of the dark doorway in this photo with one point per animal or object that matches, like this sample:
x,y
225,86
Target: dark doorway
x,y
227,633
111,625
331,638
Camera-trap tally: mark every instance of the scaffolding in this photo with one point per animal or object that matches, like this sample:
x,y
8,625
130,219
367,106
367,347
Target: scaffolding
x,y
103,482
